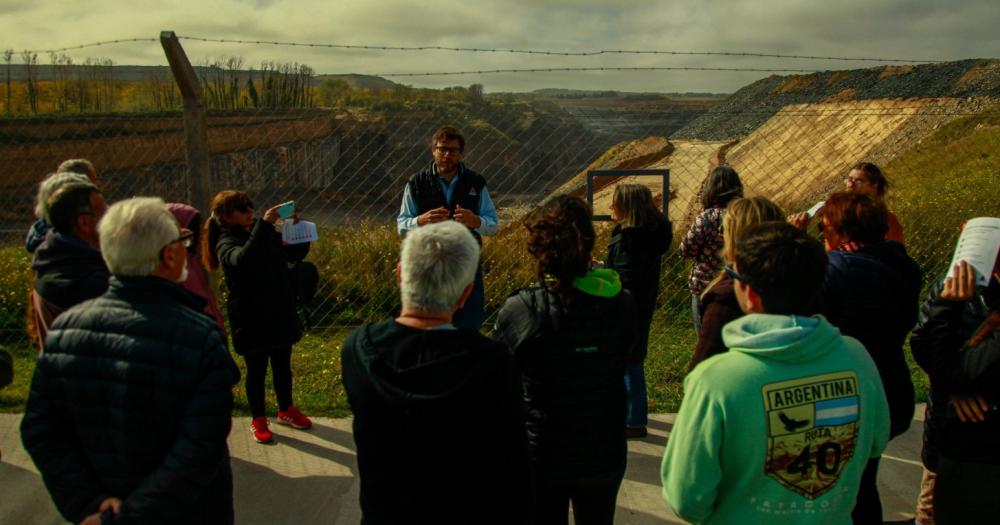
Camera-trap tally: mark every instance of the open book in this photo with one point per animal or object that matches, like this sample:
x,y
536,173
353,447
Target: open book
x,y
978,245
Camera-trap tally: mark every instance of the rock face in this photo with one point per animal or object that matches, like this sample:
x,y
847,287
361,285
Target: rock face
x,y
803,152
688,161
751,106
793,138
799,154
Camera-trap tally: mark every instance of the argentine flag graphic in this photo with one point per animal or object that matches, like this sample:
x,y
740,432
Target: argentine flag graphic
x,y
837,411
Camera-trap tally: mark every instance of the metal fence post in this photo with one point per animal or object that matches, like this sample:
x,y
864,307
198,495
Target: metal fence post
x,y
195,125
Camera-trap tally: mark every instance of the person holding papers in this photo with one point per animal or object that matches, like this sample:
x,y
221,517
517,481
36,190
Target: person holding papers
x,y
263,320
957,343
864,178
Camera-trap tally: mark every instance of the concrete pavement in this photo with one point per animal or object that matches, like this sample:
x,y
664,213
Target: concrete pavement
x,y
309,476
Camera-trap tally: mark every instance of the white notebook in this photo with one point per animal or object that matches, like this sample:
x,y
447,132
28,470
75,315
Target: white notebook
x,y
978,245
304,231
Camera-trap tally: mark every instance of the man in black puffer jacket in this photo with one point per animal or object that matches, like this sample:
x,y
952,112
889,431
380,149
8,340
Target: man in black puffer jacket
x,y
130,403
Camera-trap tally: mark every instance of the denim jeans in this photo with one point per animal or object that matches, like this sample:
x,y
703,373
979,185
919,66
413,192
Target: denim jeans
x,y
635,395
695,315
470,316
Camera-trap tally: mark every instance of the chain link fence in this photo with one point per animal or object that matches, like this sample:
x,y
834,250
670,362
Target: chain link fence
x,y
343,154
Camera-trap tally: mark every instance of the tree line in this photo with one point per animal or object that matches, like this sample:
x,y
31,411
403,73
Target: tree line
x,y
92,86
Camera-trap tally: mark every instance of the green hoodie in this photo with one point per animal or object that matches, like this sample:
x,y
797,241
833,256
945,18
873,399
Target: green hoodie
x,y
602,282
777,430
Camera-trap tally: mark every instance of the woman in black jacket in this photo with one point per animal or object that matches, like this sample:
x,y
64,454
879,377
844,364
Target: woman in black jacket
x,y
958,344
262,308
570,336
872,293
640,238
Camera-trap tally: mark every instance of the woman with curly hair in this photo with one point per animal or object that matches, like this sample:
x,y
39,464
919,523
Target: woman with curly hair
x,y
571,334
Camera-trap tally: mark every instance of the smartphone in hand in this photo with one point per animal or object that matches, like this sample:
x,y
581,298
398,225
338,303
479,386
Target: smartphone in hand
x,y
286,209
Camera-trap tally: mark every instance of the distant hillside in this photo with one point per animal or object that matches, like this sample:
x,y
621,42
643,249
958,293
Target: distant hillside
x,y
360,81
46,72
624,116
583,93
751,106
124,73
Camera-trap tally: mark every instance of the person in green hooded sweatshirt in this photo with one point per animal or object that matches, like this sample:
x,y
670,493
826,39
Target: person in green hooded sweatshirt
x,y
779,429
571,335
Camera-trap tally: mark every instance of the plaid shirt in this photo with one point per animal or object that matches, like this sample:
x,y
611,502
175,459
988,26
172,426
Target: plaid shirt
x,y
703,243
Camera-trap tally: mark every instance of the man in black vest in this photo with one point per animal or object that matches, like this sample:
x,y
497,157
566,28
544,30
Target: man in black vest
x,y
447,190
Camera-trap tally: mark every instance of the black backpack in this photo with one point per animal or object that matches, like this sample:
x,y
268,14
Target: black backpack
x,y
305,278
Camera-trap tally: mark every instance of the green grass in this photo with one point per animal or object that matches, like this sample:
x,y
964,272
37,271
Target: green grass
x,y
358,285
15,285
317,387
13,397
949,177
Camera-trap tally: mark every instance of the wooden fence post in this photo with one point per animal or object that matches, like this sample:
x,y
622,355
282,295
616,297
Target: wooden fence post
x,y
195,125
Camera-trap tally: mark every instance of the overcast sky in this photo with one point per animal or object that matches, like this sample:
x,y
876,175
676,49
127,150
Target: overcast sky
x,y
916,29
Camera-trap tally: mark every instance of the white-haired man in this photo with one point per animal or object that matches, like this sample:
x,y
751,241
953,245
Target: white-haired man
x,y
68,265
72,170
130,403
437,411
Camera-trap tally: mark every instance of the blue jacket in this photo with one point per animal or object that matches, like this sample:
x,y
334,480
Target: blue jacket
x,y
68,271
873,296
131,398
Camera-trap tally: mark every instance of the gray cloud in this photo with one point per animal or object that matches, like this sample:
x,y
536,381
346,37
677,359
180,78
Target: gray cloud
x,y
922,29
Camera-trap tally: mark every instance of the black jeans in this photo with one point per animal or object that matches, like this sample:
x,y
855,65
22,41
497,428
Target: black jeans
x,y
594,500
868,508
962,493
281,372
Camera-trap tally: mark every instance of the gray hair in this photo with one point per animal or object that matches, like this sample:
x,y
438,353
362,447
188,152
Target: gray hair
x,y
53,182
437,262
81,166
133,233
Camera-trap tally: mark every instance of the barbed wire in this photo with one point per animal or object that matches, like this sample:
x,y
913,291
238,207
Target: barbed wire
x,y
552,53
543,52
94,44
602,68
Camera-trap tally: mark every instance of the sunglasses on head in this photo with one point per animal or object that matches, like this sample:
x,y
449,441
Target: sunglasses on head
x,y
734,275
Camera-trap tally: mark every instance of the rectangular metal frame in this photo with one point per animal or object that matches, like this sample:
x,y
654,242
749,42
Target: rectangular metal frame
x,y
591,175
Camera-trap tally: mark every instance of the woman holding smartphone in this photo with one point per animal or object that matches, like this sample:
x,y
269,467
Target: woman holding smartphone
x,y
261,302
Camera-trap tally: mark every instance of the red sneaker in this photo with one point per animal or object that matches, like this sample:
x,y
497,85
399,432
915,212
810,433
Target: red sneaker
x,y
258,428
294,418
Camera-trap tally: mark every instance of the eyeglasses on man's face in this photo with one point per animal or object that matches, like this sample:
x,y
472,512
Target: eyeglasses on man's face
x,y
185,238
854,181
444,150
